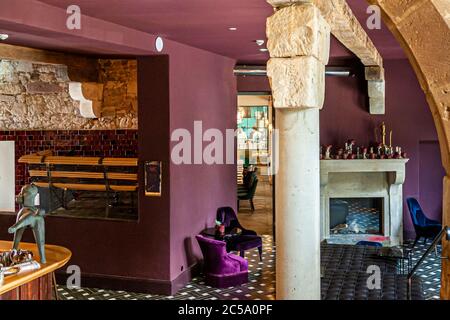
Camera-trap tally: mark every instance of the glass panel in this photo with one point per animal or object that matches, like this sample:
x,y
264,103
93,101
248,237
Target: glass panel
x,y
253,134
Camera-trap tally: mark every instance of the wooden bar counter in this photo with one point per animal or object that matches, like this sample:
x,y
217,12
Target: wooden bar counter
x,y
36,284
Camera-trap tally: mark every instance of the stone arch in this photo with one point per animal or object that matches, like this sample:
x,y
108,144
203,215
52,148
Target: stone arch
x,y
422,27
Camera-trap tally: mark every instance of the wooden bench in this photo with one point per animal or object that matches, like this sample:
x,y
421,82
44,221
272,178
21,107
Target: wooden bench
x,y
110,175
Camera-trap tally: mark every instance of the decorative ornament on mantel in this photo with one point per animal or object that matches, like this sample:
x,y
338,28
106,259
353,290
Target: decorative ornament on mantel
x,y
381,150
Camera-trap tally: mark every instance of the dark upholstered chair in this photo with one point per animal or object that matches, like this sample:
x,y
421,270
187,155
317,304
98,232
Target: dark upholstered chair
x,y
249,192
247,239
222,269
423,226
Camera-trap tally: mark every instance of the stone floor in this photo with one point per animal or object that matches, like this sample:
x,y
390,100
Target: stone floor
x,y
261,284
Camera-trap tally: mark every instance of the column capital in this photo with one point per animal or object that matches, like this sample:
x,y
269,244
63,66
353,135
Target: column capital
x,y
298,31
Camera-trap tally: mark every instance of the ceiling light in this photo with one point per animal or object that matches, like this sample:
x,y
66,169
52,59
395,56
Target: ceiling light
x,y
3,36
259,42
263,49
159,44
232,28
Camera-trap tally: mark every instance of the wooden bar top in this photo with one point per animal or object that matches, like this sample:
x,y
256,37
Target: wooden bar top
x,y
56,256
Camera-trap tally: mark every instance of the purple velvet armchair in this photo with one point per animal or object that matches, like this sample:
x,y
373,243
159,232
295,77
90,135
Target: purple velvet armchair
x,y
222,269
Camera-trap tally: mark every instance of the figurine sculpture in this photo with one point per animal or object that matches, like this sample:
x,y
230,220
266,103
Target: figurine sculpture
x,y
328,152
30,216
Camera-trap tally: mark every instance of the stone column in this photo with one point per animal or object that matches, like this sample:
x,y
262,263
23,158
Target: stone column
x,y
298,42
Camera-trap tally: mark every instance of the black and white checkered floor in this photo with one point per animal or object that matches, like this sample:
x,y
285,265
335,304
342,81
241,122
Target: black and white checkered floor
x,y
430,270
261,284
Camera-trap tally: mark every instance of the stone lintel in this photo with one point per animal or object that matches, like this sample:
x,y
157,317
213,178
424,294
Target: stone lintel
x,y
298,30
297,82
347,29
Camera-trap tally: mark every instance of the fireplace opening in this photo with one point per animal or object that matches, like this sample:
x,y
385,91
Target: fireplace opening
x,y
356,216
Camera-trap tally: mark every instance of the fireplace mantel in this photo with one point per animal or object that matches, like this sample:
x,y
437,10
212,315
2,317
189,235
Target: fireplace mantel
x,y
380,178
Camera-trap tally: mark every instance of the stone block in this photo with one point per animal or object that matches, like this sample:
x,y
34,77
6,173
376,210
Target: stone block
x,y
92,90
41,87
377,105
24,66
376,88
297,82
374,73
7,72
442,97
431,51
10,89
7,99
298,31
399,9
18,109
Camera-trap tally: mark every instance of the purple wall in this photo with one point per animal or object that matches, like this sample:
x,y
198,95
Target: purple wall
x,y
203,89
253,83
345,115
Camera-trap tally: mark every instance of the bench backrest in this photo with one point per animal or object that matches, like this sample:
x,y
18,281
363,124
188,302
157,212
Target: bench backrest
x,y
82,173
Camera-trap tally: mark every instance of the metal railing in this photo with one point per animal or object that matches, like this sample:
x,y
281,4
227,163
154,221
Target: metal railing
x,y
446,231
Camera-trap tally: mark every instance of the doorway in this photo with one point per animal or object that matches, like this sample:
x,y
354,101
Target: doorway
x,y
255,125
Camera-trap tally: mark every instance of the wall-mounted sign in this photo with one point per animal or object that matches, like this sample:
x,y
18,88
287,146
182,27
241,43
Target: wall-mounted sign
x,y
153,178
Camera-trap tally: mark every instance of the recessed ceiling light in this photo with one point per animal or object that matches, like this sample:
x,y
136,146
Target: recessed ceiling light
x,y
159,44
232,28
4,36
263,49
259,42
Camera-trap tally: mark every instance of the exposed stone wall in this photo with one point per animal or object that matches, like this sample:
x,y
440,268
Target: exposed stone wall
x,y
119,79
35,96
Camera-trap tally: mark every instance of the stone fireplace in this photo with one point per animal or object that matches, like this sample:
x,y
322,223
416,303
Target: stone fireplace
x,y
377,183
